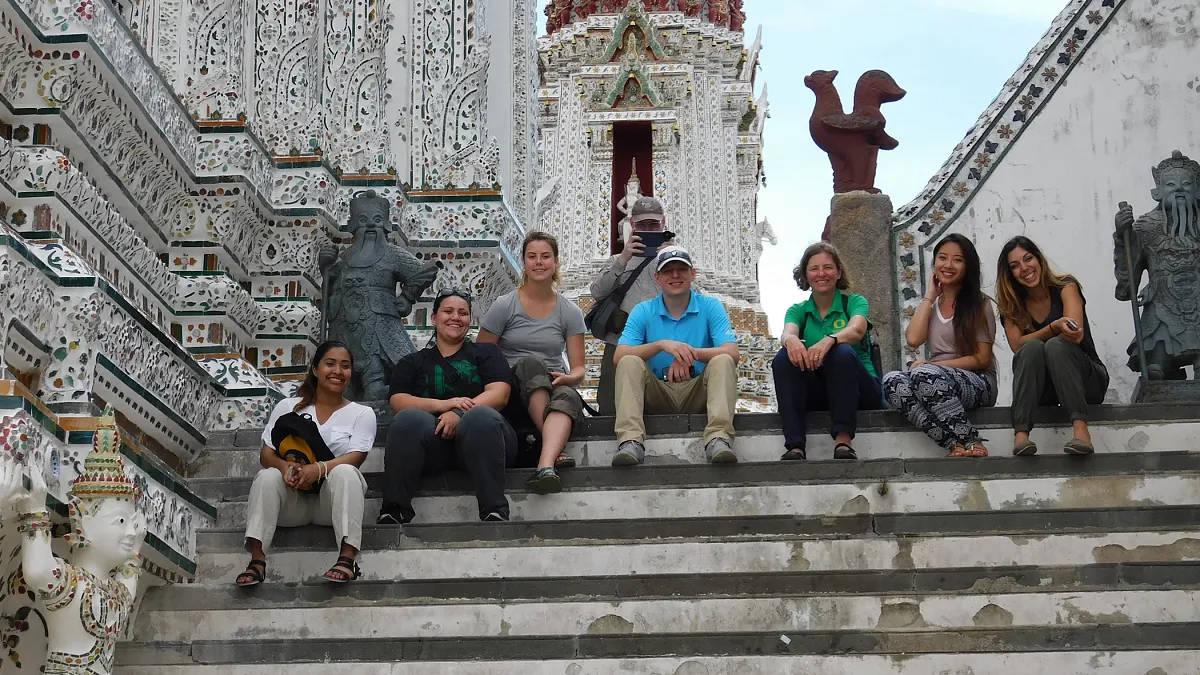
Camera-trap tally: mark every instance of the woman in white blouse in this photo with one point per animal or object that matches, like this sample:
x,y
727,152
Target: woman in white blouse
x,y
284,492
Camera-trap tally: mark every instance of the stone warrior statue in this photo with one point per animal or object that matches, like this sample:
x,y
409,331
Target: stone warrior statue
x,y
88,600
362,309
1165,244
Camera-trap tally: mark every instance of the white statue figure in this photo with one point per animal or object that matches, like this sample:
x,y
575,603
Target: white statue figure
x,y
88,601
633,191
765,233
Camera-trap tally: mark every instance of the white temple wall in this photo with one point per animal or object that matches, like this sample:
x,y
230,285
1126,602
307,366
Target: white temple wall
x,y
398,84
512,89
1131,100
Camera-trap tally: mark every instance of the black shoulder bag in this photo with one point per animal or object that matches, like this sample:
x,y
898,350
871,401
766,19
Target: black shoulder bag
x,y
599,318
297,439
872,349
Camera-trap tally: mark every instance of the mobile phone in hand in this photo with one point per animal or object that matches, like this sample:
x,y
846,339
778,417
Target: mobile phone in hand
x,y
1072,325
652,240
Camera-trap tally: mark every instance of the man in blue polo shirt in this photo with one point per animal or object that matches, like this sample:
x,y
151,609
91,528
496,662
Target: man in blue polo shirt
x,y
677,354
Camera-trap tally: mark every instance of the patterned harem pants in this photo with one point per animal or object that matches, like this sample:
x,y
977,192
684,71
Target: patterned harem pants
x,y
936,399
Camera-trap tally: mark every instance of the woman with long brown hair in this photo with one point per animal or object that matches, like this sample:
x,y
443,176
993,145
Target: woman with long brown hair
x,y
1055,359
956,320
295,486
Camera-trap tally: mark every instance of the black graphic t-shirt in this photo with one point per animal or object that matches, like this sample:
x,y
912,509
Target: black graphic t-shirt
x,y
423,374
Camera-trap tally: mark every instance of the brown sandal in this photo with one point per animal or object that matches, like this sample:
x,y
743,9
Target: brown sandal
x,y
345,569
976,450
958,451
256,572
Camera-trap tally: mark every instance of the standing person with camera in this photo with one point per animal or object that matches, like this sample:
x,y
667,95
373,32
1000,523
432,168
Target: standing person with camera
x,y
631,269
1054,358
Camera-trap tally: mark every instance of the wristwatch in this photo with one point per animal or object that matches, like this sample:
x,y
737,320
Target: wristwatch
x,y
835,340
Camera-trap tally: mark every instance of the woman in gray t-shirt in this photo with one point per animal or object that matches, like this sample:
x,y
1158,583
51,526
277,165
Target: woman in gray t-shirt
x,y
958,323
533,326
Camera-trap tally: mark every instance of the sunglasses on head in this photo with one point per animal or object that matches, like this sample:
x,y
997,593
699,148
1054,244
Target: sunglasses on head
x,y
450,292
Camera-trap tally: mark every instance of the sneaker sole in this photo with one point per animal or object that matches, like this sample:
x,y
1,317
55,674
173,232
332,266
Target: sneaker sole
x,y
724,457
1078,451
546,485
1026,451
845,455
625,459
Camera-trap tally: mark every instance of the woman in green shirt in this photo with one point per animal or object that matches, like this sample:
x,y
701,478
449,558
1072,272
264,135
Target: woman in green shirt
x,y
825,362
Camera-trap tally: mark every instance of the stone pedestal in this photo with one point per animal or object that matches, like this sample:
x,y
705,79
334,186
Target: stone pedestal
x,y
860,226
1166,391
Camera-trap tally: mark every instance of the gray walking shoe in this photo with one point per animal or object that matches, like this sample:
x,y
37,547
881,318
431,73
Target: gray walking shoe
x,y
1025,448
1078,447
629,453
718,451
544,481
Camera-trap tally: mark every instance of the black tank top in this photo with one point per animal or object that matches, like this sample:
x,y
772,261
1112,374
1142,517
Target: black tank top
x,y
1056,313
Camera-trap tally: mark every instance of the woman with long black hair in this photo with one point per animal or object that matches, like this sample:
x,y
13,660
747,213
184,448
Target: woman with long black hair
x,y
958,323
1054,357
296,486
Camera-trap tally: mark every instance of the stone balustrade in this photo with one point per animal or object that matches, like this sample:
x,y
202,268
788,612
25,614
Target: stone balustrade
x,y
84,340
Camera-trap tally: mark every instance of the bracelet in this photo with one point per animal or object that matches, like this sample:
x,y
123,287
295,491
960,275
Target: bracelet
x,y
322,471
34,521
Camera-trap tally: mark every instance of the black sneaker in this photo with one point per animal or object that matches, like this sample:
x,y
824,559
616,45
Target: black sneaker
x,y
495,517
544,481
794,454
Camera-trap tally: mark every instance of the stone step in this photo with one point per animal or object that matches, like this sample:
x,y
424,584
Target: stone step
x,y
787,614
476,558
767,446
565,532
581,649
903,495
999,417
813,471
1083,662
614,589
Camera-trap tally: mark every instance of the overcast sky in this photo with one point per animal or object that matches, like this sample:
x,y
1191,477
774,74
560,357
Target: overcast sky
x,y
952,56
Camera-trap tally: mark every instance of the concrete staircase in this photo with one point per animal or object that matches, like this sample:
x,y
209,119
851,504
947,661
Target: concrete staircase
x,y
902,563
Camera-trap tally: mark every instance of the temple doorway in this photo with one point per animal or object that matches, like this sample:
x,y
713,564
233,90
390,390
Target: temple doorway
x,y
632,142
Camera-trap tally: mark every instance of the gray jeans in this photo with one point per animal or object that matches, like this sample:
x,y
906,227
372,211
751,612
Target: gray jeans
x,y
1055,372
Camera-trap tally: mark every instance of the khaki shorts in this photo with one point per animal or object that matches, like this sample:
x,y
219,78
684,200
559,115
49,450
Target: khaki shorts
x,y
531,375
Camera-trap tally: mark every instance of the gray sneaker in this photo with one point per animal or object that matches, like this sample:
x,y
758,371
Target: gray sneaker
x,y
718,451
630,453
